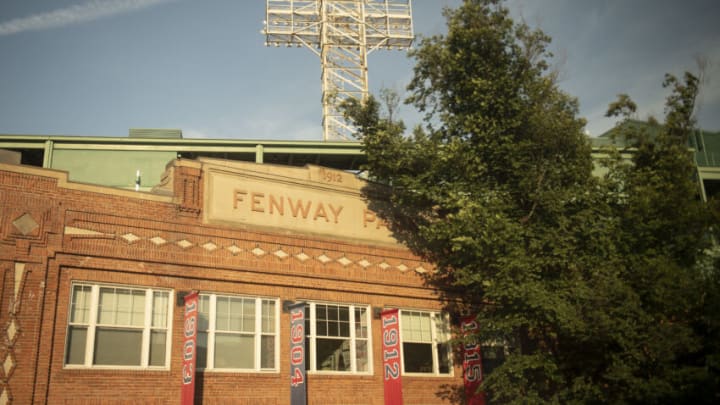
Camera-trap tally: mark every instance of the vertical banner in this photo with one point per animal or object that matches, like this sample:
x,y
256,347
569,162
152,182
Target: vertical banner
x,y
472,362
187,396
298,382
391,357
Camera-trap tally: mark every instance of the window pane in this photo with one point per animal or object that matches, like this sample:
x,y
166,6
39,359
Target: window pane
x,y
321,311
234,351
233,338
322,328
130,328
361,323
121,306
442,334
248,315
344,329
267,352
130,307
332,312
117,347
332,328
361,355
235,314
443,358
157,348
417,357
416,326
424,329
332,320
202,345
160,306
268,316
137,313
331,347
204,312
344,314
442,328
333,354
222,313
106,306
76,339
80,306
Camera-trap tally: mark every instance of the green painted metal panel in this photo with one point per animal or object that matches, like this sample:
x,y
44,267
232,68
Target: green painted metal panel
x,y
112,168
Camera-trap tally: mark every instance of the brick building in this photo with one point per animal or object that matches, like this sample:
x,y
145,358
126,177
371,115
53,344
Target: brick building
x,y
93,279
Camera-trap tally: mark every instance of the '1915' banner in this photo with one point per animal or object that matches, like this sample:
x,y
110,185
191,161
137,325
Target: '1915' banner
x,y
298,383
472,362
391,357
189,349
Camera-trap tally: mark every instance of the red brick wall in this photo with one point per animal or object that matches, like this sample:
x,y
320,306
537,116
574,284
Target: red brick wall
x,y
106,236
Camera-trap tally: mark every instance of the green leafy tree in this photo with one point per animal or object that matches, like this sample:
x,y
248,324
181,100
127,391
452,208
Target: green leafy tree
x,y
497,191
665,242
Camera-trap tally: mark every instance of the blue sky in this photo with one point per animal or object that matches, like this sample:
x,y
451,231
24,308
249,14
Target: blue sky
x,y
100,67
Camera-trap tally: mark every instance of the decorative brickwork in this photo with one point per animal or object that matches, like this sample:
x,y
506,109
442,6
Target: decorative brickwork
x,y
187,182
220,247
55,235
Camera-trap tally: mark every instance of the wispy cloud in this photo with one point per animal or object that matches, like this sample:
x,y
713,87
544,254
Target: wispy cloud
x,y
75,14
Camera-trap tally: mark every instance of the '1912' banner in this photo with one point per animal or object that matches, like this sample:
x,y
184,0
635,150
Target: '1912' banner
x,y
391,357
472,362
298,383
189,349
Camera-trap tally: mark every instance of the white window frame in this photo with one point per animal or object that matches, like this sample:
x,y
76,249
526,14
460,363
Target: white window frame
x,y
93,324
311,359
435,317
257,335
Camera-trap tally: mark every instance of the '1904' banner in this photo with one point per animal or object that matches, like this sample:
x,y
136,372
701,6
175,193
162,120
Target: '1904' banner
x,y
472,362
391,357
298,383
189,349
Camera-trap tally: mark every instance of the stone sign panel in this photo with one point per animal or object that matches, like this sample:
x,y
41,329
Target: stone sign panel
x,y
309,200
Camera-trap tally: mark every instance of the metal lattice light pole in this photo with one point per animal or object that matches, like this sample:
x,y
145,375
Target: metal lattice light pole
x,y
342,33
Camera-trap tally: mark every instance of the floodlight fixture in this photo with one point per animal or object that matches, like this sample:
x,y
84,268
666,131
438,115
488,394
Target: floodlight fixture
x,y
342,33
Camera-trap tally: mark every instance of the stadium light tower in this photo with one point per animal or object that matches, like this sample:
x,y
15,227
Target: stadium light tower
x,y
342,33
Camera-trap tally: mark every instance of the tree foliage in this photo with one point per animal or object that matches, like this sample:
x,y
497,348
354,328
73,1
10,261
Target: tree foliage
x,y
593,283
667,256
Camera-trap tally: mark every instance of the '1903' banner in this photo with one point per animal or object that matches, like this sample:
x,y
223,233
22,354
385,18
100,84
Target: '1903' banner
x,y
298,383
472,362
391,357
189,349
